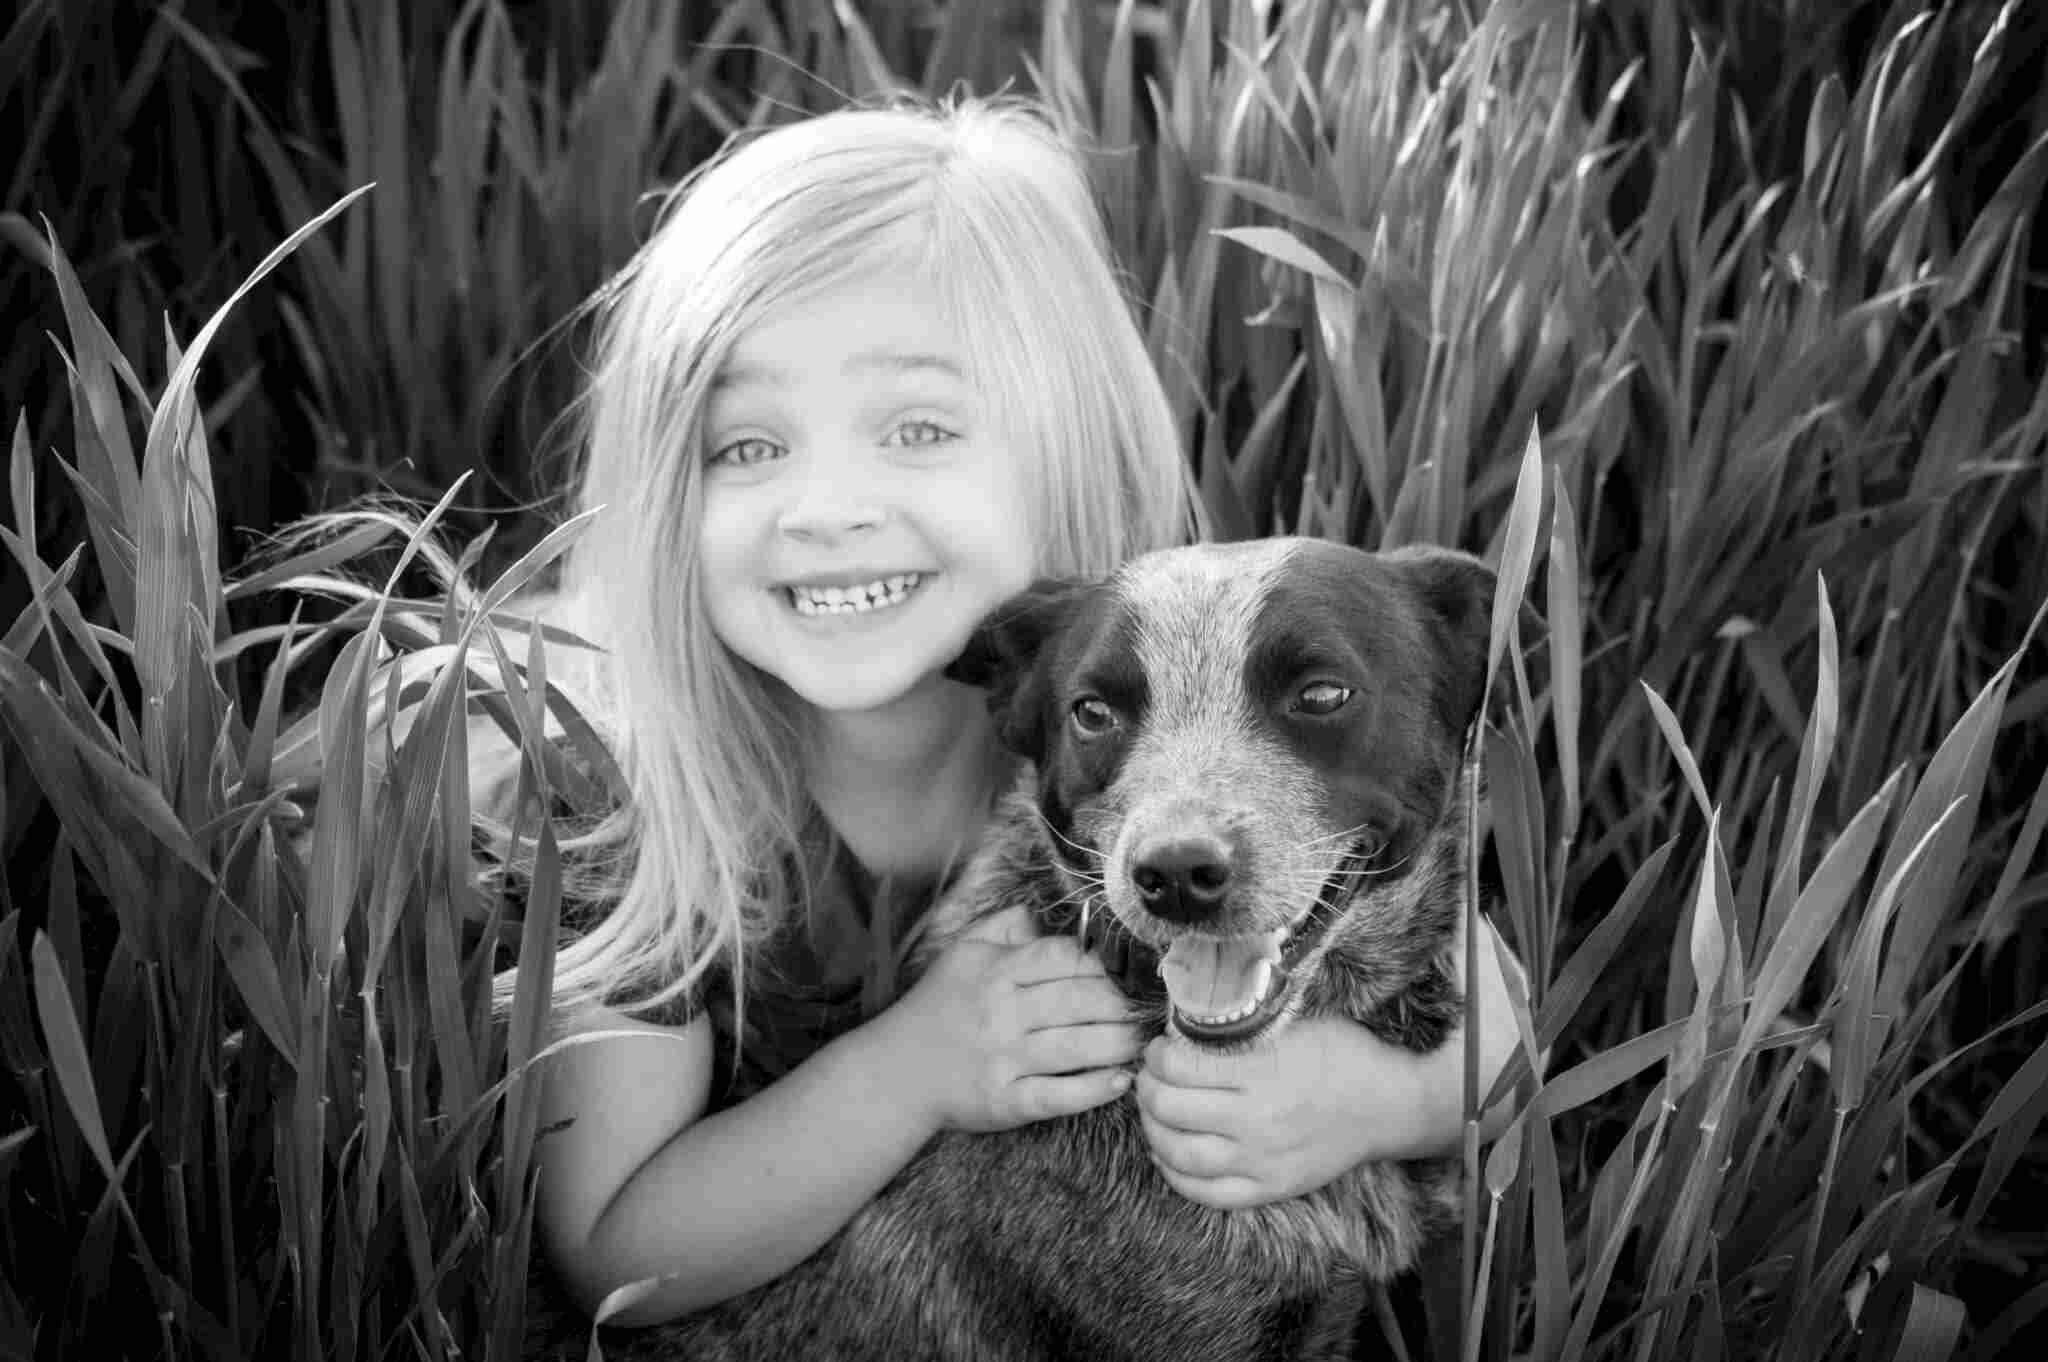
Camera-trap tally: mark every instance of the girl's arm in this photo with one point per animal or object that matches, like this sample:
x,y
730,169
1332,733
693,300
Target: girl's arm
x,y
639,1186
1000,1031
1431,1120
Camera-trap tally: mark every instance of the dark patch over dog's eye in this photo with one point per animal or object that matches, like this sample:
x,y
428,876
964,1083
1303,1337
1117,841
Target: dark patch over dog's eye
x,y
1092,716
1322,697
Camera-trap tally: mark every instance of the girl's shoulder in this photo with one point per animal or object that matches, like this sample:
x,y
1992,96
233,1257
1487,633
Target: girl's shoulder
x,y
829,961
836,960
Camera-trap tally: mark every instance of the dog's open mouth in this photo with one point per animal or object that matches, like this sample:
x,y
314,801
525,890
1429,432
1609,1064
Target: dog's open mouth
x,y
1226,990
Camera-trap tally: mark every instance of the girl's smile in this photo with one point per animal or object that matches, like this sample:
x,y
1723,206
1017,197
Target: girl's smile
x,y
858,595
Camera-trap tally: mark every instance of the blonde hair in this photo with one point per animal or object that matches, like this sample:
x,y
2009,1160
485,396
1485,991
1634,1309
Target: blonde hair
x,y
989,199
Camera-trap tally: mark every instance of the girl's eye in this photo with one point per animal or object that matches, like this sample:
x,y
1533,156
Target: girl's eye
x,y
1093,717
740,453
919,433
1322,698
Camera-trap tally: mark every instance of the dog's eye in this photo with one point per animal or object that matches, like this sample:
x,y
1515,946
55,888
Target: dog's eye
x,y
1322,698
1093,717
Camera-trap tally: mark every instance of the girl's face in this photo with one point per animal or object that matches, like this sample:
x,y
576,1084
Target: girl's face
x,y
861,509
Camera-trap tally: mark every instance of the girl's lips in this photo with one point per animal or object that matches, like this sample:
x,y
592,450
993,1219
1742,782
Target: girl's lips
x,y
857,578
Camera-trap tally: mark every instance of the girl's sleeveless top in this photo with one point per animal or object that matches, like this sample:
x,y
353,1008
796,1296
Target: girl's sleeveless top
x,y
820,975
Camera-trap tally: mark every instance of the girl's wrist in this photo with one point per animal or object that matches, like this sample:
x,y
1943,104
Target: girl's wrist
x,y
898,1068
1438,1085
1429,1121
1404,1104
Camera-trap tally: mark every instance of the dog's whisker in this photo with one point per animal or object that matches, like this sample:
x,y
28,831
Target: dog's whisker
x,y
1341,835
1377,867
1084,896
1086,851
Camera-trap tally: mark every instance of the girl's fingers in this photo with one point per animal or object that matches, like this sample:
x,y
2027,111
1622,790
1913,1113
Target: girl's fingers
x,y
1096,1045
1049,958
1189,1154
1223,1194
1187,1065
1072,1002
1043,1096
1208,1109
1011,927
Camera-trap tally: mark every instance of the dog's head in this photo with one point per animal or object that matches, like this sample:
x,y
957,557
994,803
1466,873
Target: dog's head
x,y
1238,746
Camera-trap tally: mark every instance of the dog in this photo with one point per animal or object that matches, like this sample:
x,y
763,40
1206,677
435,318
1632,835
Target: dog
x,y
1246,785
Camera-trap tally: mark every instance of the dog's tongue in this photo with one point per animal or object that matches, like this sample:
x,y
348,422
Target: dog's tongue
x,y
1206,977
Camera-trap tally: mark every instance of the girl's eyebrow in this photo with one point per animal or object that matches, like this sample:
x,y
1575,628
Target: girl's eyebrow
x,y
744,373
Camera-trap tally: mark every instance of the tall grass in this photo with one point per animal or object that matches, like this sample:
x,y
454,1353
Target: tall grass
x,y
1728,376
266,1097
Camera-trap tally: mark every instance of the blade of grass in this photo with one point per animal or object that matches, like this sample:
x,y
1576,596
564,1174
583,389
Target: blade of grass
x,y
53,603
1674,735
1708,950
98,364
345,548
1934,1324
1956,772
1607,1254
1587,965
1510,587
1854,1048
1997,1338
138,798
2013,1117
869,66
67,1052
1813,915
262,741
1567,661
1996,925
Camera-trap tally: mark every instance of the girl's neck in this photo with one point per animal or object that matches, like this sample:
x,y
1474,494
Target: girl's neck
x,y
906,788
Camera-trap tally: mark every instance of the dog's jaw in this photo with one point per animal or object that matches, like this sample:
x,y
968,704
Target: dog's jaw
x,y
1293,952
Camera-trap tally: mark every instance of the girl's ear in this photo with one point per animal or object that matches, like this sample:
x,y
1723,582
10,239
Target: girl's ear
x,y
1008,653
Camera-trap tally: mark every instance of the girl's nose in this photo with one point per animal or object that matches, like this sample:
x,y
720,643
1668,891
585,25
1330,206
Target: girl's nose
x,y
829,503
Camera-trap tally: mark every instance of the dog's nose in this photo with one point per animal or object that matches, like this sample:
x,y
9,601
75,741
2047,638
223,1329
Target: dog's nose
x,y
1184,879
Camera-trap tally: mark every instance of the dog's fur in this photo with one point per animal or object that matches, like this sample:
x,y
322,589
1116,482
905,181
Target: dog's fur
x,y
1060,1239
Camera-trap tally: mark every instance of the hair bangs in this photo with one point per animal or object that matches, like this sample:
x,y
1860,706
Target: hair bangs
x,y
1020,256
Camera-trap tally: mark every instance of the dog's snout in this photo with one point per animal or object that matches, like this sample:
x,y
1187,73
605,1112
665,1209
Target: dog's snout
x,y
1184,879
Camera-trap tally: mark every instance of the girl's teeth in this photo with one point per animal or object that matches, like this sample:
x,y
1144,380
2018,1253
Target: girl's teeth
x,y
835,600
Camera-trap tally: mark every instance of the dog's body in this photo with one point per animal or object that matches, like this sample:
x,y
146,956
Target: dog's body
x,y
1245,767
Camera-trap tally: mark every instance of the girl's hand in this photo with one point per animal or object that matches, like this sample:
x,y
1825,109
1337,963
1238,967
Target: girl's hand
x,y
1008,1027
1242,1129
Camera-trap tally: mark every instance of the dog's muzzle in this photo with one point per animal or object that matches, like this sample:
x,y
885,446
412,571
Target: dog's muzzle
x,y
1226,990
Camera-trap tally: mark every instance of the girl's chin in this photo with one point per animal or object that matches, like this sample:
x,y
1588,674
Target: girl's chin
x,y
914,696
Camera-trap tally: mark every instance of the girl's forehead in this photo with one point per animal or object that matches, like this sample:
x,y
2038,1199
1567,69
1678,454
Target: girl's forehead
x,y
883,324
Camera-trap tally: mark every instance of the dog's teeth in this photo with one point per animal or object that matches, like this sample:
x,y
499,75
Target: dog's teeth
x,y
1262,987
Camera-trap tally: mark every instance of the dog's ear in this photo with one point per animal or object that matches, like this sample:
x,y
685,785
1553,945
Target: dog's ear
x,y
1456,592
1005,657
1013,633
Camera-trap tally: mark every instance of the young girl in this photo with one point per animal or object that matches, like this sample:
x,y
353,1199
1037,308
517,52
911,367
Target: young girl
x,y
872,374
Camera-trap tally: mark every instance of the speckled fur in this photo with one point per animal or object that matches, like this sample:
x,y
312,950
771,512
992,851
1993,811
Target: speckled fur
x,y
1060,1240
